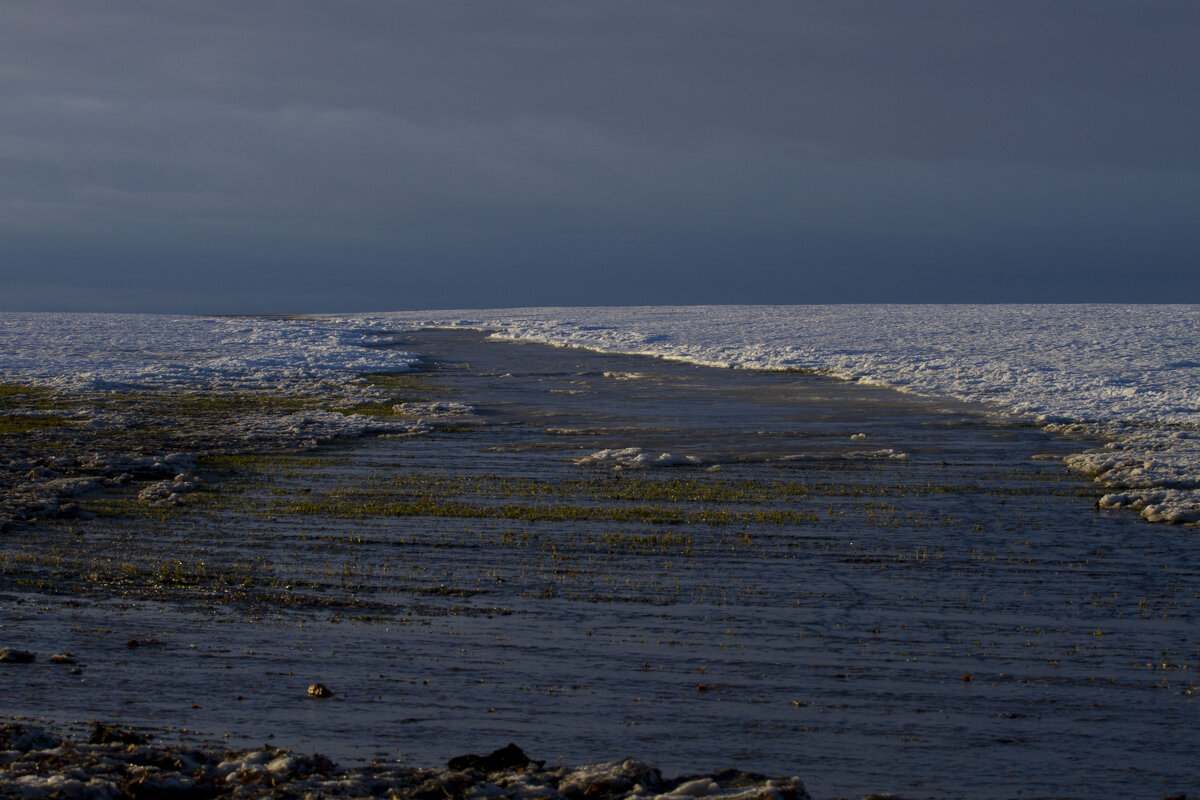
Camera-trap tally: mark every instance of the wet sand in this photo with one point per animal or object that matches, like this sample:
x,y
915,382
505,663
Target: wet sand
x,y
868,590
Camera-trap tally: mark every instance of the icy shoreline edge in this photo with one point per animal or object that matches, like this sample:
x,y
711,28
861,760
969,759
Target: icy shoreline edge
x,y
1116,373
1126,375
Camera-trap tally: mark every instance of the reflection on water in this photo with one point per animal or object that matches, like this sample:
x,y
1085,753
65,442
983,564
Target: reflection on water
x,y
868,590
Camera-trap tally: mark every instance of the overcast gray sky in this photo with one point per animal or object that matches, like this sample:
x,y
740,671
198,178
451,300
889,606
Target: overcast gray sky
x,y
377,154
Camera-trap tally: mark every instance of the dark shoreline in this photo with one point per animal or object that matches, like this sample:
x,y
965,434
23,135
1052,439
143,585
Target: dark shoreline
x,y
122,763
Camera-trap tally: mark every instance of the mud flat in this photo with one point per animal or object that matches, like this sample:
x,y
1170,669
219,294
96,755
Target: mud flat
x,y
600,556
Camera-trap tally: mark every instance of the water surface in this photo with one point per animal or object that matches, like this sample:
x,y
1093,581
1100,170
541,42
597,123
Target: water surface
x,y
873,591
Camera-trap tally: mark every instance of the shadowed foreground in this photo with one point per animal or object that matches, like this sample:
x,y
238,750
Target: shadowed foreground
x,y
122,764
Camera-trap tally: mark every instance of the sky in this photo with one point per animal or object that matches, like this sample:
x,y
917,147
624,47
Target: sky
x,y
372,155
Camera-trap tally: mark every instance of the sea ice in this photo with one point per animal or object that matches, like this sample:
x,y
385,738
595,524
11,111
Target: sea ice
x,y
1127,375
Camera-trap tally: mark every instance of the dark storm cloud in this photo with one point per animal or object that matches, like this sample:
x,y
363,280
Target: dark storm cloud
x,y
230,155
1112,82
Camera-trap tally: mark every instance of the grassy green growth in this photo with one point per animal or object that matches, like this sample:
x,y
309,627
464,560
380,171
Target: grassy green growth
x,y
21,424
15,397
175,572
640,488
633,500
630,488
199,404
264,462
360,505
8,390
448,428
687,490
129,505
417,385
646,544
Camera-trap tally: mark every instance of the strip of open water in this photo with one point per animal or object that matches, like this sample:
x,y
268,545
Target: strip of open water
x,y
872,591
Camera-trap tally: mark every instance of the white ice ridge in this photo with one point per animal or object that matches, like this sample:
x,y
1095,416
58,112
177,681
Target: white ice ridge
x,y
1126,373
113,351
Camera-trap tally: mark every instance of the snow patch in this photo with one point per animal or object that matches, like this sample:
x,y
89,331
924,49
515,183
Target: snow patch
x,y
635,457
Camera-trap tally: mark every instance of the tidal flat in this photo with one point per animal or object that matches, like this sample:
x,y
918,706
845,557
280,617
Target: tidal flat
x,y
600,556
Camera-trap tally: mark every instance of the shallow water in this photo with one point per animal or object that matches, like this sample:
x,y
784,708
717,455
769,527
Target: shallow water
x,y
961,621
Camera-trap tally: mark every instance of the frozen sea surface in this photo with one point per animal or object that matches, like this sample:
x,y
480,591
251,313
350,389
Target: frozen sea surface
x,y
121,351
1129,375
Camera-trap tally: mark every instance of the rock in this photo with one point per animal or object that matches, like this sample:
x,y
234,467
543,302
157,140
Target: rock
x,y
319,690
170,492
42,473
23,738
115,764
106,734
68,511
443,787
614,779
63,658
186,481
508,757
10,655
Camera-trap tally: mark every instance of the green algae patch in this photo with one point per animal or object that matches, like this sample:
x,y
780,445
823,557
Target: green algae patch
x,y
24,409
628,489
129,506
464,497
668,543
202,406
189,404
9,391
419,385
273,463
688,490
20,423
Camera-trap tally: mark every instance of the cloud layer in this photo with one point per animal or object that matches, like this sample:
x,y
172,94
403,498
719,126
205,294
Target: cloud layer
x,y
367,155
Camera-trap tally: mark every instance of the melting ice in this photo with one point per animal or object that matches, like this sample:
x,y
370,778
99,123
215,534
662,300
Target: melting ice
x,y
1129,374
